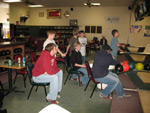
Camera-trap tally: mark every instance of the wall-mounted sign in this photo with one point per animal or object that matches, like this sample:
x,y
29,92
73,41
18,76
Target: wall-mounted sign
x,y
54,13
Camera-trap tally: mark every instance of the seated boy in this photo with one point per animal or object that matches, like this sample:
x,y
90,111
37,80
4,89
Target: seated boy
x,y
46,70
101,73
76,61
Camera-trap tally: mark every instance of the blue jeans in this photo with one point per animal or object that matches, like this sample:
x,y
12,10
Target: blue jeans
x,y
83,59
55,83
113,83
85,78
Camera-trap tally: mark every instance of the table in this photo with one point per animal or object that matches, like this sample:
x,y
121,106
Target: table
x,y
13,66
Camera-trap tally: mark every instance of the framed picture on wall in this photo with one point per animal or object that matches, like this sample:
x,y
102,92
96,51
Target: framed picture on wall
x,y
99,29
93,29
73,22
87,29
53,13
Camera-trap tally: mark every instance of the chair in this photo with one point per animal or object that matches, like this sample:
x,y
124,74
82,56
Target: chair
x,y
34,57
61,61
71,71
91,78
29,69
22,72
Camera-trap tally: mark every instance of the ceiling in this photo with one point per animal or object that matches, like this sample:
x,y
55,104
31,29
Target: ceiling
x,y
79,3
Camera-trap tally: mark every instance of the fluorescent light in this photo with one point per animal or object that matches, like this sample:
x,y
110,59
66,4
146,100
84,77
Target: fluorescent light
x,y
95,4
85,3
12,0
35,5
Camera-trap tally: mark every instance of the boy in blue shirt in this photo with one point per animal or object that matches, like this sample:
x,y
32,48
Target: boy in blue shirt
x,y
115,44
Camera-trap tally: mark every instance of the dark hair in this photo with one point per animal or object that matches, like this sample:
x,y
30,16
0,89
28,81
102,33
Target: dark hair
x,y
75,31
50,46
114,31
81,31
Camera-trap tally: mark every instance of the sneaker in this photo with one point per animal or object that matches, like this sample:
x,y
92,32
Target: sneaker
x,y
109,98
75,79
54,102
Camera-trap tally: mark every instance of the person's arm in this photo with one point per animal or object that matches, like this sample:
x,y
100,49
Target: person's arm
x,y
114,62
80,65
67,49
63,55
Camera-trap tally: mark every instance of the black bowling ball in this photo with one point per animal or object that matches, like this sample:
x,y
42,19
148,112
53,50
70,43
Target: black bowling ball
x,y
16,50
147,67
8,52
3,53
19,49
119,68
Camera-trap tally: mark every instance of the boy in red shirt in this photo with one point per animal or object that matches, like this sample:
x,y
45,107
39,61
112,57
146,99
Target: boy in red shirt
x,y
46,70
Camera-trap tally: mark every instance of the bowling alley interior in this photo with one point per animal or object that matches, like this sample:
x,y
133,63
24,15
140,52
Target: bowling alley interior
x,y
74,56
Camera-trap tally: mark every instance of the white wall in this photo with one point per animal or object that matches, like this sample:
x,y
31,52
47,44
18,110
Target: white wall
x,y
138,39
16,11
94,16
4,15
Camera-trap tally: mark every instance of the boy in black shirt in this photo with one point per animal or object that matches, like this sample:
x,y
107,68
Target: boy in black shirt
x,y
76,61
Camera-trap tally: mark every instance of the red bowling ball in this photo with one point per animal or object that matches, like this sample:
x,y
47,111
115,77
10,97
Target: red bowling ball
x,y
126,67
125,62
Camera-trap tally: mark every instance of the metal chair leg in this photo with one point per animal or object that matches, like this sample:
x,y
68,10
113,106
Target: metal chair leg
x,y
30,92
36,89
87,85
66,79
45,92
79,80
93,90
101,86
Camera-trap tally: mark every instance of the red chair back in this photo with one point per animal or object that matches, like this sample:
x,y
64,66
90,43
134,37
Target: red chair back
x,y
90,71
17,56
40,45
33,57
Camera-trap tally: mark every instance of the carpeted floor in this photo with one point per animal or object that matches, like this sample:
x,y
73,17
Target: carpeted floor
x,y
73,98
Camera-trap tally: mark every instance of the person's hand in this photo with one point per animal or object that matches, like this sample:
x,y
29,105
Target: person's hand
x,y
63,55
118,44
45,73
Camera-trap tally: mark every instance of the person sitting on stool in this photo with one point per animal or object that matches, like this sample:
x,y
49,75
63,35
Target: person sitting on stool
x,y
101,73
